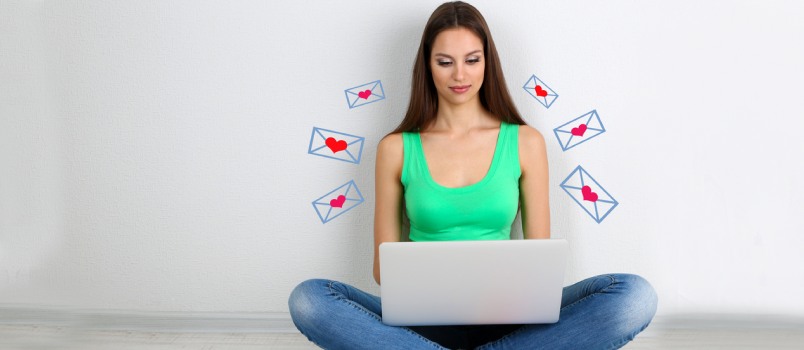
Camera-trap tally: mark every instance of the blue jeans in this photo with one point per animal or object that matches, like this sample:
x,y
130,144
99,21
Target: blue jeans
x,y
602,312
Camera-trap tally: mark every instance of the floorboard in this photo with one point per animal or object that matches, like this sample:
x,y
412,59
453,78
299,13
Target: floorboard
x,y
666,334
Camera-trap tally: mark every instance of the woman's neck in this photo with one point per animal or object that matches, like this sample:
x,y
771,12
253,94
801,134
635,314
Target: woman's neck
x,y
462,118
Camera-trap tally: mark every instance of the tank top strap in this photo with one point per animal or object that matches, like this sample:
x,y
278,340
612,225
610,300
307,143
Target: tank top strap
x,y
411,151
510,151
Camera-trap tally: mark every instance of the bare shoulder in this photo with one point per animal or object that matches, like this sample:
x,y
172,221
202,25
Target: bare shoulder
x,y
530,139
390,152
532,151
390,145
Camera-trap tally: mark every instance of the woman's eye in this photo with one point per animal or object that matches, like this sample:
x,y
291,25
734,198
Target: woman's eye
x,y
444,63
473,60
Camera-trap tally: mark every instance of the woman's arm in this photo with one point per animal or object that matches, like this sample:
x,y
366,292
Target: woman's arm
x,y
388,195
534,183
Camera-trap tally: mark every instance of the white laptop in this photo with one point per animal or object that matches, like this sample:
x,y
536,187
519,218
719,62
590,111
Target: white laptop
x,y
472,282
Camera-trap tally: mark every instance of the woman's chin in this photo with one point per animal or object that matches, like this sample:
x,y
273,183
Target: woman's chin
x,y
457,100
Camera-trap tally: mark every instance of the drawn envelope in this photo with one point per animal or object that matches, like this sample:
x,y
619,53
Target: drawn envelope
x,y
579,130
337,202
336,145
364,94
540,91
593,198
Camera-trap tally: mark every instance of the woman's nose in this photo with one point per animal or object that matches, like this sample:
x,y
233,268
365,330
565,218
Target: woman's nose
x,y
458,72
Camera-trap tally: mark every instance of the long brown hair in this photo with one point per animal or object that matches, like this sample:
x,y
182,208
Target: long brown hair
x,y
494,95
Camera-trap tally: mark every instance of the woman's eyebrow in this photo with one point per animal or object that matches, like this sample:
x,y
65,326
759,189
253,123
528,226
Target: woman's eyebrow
x,y
448,56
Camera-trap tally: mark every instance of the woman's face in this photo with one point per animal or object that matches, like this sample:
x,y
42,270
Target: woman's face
x,y
458,65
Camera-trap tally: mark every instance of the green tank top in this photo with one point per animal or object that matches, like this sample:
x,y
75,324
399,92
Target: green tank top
x,y
482,211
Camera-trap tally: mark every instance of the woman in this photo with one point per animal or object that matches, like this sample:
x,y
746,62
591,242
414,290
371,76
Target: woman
x,y
463,140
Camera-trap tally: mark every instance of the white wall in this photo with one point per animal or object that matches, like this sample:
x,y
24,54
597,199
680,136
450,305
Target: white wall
x,y
153,155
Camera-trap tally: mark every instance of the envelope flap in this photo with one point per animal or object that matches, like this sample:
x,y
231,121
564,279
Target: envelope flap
x,y
544,87
349,190
353,193
324,134
605,206
538,82
574,180
593,121
322,205
360,88
531,83
333,194
602,194
377,90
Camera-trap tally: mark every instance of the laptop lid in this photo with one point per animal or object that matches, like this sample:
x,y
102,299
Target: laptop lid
x,y
472,282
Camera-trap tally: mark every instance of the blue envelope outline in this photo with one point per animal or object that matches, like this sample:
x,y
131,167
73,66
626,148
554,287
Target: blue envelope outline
x,y
354,100
564,132
574,184
327,212
530,88
318,146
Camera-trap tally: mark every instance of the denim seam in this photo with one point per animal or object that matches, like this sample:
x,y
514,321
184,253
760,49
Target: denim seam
x,y
522,329
361,308
351,303
613,281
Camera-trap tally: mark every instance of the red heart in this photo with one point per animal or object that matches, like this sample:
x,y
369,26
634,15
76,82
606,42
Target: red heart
x,y
336,145
337,202
588,195
540,92
579,130
364,94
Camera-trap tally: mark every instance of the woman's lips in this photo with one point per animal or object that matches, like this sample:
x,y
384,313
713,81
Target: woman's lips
x,y
460,89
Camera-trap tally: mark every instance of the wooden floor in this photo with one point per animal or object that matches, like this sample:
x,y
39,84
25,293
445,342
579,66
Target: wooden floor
x,y
26,337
